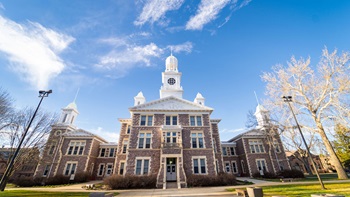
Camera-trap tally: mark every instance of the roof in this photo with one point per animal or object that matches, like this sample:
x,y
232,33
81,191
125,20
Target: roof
x,y
256,132
82,133
171,103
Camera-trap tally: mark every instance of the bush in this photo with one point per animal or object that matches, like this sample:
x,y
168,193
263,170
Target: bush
x,y
267,175
24,181
131,182
211,180
81,177
57,180
291,174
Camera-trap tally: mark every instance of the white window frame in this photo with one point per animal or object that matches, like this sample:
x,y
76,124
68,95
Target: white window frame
x,y
99,168
243,166
109,171
52,149
147,122
173,135
224,150
171,120
277,146
74,144
104,153
227,167
230,150
128,129
120,165
147,134
70,168
199,158
46,170
235,167
197,139
111,150
126,145
257,161
142,159
256,146
196,121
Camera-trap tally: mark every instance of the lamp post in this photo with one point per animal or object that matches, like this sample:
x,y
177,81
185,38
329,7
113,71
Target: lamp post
x,y
288,99
5,177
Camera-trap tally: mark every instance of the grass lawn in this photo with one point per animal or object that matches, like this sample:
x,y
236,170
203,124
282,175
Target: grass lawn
x,y
19,193
306,190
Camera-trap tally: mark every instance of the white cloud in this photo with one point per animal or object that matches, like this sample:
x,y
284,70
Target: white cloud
x,y
240,130
33,50
207,11
126,56
187,47
109,136
154,10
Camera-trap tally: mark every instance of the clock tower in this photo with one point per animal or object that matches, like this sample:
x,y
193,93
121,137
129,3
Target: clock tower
x,y
171,79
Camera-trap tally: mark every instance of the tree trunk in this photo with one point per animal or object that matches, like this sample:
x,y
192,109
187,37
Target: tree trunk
x,y
334,158
307,165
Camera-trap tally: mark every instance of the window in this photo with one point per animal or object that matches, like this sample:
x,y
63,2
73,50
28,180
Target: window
x,y
52,149
232,150
146,121
197,140
76,148
171,137
214,144
224,151
281,166
142,166
199,166
103,152
111,152
70,168
196,120
64,118
242,165
170,120
128,129
227,166
145,140
234,167
121,169
109,169
276,146
256,146
47,169
101,169
125,146
261,164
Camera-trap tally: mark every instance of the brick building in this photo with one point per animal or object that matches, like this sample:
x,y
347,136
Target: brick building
x,y
170,138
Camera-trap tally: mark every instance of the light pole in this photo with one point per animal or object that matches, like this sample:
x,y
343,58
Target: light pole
x,y
288,99
5,177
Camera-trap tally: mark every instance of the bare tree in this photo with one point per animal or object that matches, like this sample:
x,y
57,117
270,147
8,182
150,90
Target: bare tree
x,y
320,95
5,109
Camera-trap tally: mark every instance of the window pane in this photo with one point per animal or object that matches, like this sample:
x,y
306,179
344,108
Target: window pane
x,y
194,142
174,120
167,120
100,172
81,150
138,167
128,130
70,150
192,120
143,120
150,119
121,171
148,142
195,166
200,143
199,121
145,166
224,151
174,139
141,142
111,152
203,166
73,168
67,169
75,150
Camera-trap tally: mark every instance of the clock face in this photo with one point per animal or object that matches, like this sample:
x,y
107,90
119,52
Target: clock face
x,y
171,81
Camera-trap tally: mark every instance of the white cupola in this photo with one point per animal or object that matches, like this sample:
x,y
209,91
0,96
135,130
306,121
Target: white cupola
x,y
199,99
171,79
69,114
139,99
262,116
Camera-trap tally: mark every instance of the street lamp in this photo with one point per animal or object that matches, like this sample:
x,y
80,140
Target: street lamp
x,y
288,99
5,177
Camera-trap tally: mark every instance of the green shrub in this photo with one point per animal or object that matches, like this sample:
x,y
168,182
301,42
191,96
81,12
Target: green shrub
x,y
57,180
223,179
291,174
81,177
131,182
267,175
24,181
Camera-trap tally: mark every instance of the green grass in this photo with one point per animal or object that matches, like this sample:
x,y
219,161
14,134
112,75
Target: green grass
x,y
324,177
306,190
18,193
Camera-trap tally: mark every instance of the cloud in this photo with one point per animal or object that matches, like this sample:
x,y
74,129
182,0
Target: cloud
x,y
154,10
207,11
33,50
186,47
109,136
234,8
240,130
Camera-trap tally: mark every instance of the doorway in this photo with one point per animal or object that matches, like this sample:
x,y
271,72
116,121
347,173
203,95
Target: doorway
x,y
171,169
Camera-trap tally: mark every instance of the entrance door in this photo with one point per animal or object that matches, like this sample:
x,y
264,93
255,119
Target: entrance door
x,y
171,169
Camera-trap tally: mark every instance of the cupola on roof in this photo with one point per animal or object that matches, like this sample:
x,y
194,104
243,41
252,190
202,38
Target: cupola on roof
x,y
72,105
171,63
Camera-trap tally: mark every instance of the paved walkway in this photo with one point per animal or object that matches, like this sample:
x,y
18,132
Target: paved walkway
x,y
204,191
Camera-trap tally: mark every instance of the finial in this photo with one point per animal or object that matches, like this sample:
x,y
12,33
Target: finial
x,y
256,98
76,95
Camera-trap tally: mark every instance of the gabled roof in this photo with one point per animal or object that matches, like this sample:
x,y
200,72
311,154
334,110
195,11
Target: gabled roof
x,y
256,132
82,133
171,103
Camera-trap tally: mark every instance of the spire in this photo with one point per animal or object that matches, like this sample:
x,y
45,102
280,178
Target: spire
x,y
69,113
199,99
257,100
139,99
76,95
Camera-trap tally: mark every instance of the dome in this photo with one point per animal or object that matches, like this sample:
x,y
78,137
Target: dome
x,y
171,63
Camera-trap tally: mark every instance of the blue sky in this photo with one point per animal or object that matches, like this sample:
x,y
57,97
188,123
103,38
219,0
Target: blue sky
x,y
111,50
